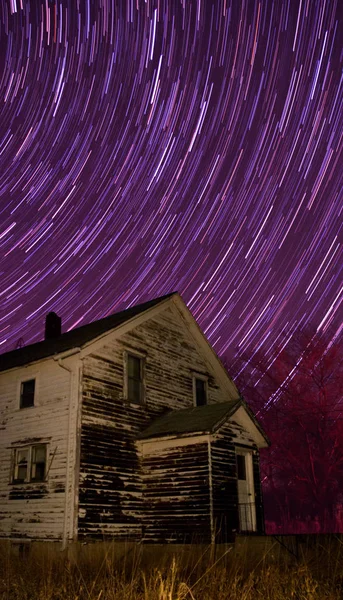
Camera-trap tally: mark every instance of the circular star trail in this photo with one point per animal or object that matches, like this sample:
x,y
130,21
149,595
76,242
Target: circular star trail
x,y
160,145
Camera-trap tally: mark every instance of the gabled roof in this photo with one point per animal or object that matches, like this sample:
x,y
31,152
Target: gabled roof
x,y
76,338
198,419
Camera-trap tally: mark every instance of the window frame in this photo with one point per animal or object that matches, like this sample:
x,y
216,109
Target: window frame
x,y
142,359
241,467
29,464
203,378
32,376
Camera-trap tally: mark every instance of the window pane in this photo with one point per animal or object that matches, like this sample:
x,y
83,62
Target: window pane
x,y
134,366
134,390
21,464
22,455
38,453
21,473
200,392
241,470
38,462
27,393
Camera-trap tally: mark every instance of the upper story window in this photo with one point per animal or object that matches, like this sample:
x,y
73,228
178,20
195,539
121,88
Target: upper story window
x,y
200,390
134,378
27,393
241,467
30,463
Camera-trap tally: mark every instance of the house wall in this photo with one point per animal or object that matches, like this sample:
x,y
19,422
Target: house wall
x,y
110,483
35,510
225,494
224,485
243,438
176,487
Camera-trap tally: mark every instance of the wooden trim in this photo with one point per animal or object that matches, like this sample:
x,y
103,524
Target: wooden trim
x,y
213,361
210,486
248,454
69,505
73,526
117,332
150,446
244,419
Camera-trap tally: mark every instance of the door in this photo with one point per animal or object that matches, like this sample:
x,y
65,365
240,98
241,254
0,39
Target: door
x,y
246,490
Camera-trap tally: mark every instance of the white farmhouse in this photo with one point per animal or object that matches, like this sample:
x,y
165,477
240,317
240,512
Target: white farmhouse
x,y
126,428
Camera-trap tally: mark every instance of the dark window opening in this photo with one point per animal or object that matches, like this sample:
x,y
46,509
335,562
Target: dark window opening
x,y
200,392
27,393
134,378
241,469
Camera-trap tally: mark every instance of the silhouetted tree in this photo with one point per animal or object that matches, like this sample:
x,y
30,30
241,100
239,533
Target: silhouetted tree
x,y
297,395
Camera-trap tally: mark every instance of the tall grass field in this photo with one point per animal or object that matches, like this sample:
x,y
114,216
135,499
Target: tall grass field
x,y
314,572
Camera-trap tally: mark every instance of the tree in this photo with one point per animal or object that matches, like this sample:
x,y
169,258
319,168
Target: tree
x,y
297,395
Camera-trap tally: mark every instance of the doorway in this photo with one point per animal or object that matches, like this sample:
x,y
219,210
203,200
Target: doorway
x,y
246,490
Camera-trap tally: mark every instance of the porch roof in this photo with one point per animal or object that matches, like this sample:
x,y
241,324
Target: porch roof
x,y
198,419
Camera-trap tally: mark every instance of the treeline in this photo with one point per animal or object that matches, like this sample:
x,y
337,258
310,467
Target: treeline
x,y
296,392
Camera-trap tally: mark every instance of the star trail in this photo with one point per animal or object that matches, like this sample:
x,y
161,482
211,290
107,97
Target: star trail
x,y
161,145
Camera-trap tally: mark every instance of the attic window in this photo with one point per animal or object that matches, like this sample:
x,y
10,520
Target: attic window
x,y
134,378
200,390
27,393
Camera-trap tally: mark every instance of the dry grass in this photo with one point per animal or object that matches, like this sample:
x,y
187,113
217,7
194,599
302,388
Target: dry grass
x,y
316,575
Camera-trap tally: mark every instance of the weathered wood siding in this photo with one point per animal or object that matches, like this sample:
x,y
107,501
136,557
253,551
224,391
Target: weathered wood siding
x,y
177,495
110,493
224,485
224,480
34,510
109,483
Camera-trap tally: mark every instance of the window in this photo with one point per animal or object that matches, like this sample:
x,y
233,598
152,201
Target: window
x,y
200,390
21,464
38,462
27,393
30,464
134,372
241,469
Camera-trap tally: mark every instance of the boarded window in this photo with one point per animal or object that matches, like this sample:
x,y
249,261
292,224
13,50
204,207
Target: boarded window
x,y
29,464
241,468
134,378
27,393
200,391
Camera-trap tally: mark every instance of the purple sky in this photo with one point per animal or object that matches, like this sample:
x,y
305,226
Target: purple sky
x,y
152,146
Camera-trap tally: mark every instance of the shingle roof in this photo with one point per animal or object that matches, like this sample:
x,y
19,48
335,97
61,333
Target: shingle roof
x,y
75,338
199,419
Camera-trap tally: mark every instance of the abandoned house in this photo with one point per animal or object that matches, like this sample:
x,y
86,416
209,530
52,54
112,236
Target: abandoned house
x,y
127,428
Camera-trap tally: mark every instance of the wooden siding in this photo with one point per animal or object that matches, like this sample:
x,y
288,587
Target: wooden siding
x,y
177,495
224,479
98,485
224,485
34,510
110,495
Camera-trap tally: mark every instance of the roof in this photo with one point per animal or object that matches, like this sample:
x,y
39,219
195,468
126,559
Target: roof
x,y
198,419
76,338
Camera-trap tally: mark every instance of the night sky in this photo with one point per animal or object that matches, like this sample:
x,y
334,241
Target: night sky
x,y
173,145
